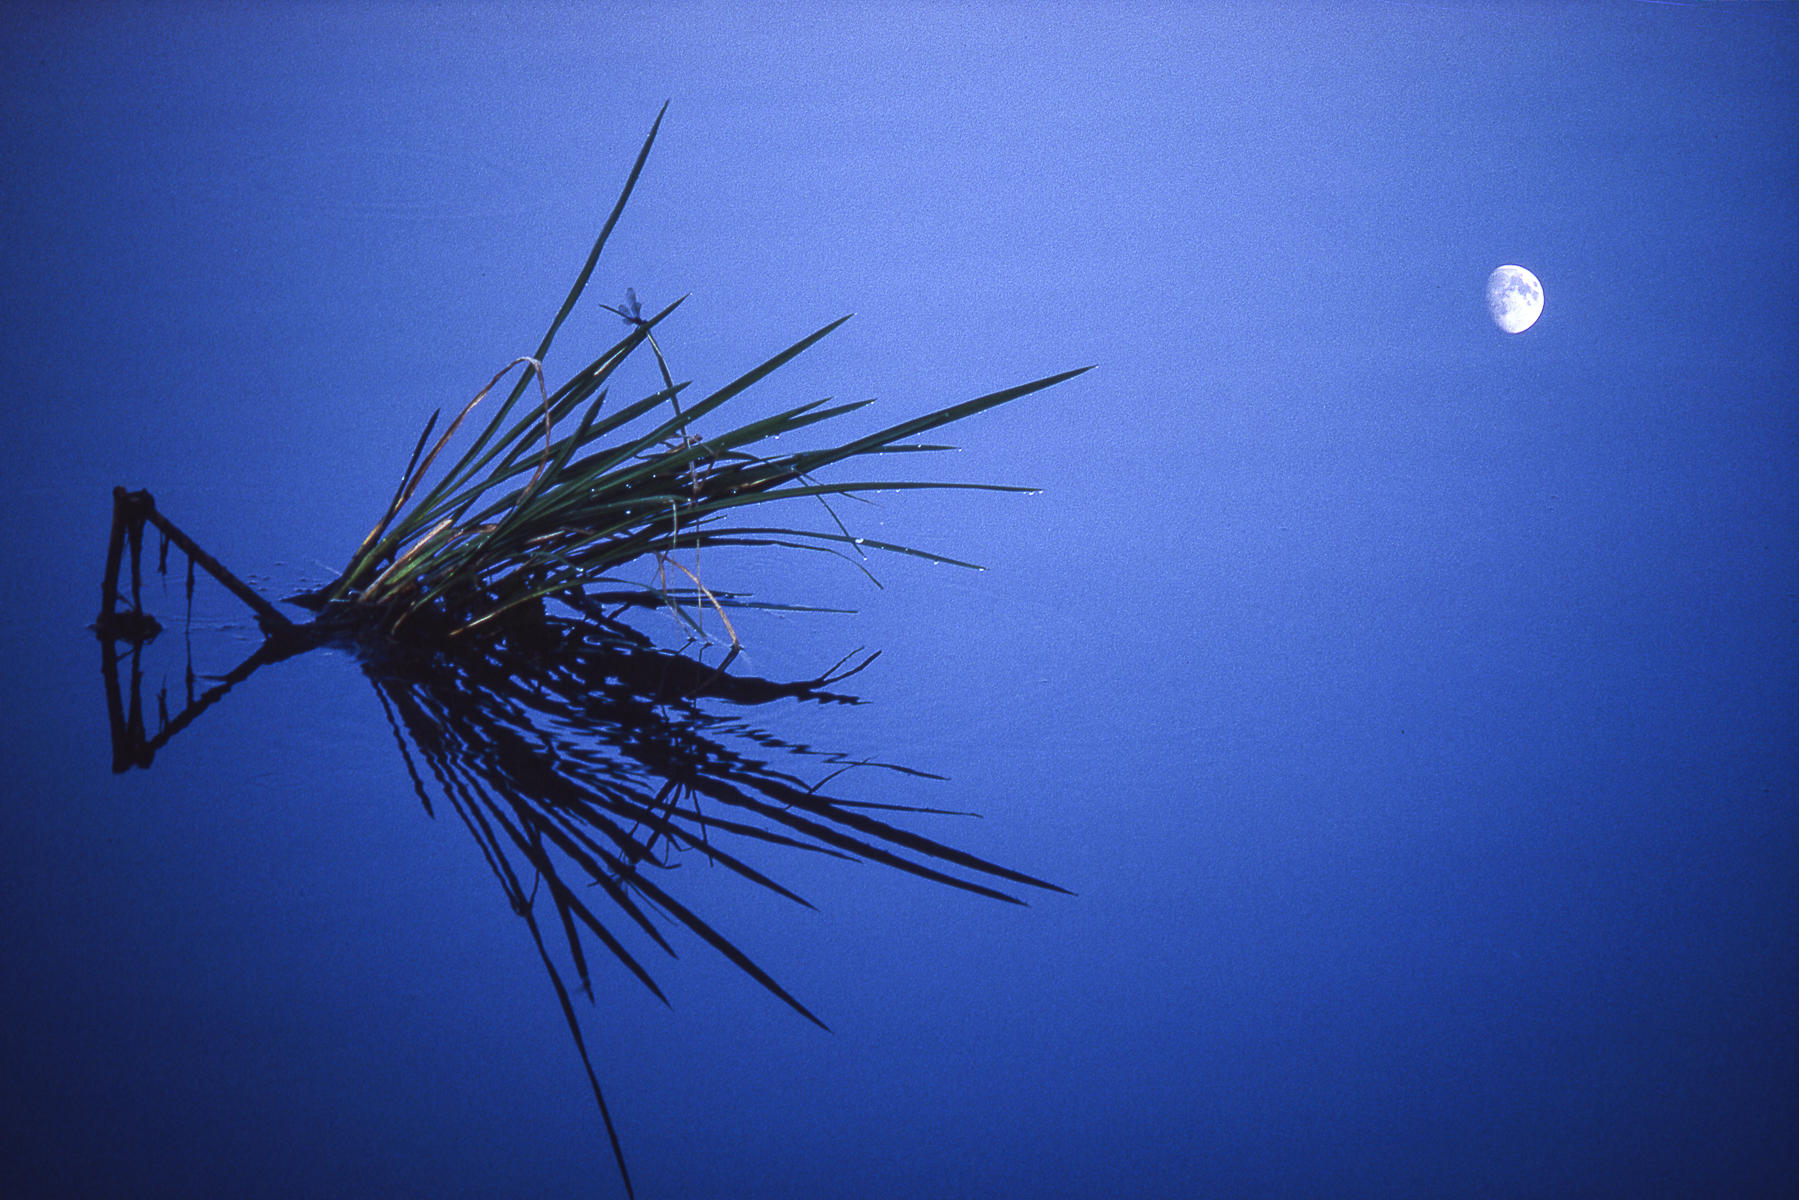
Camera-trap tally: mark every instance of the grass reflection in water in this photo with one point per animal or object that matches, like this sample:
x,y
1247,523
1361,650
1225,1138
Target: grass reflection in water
x,y
588,761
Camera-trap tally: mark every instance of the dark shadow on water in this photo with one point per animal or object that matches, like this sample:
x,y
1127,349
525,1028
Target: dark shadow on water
x,y
588,763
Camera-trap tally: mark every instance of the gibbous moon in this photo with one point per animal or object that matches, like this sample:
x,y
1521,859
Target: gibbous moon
x,y
1515,298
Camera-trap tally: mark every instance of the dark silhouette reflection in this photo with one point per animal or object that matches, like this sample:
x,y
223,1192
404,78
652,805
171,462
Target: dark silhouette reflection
x,y
585,768
132,744
587,763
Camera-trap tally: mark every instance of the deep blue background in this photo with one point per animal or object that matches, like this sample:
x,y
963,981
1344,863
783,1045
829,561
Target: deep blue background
x,y
1412,706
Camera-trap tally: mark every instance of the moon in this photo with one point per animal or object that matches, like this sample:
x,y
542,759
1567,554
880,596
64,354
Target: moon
x,y
1515,298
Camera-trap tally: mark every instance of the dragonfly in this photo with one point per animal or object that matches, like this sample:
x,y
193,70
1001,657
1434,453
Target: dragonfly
x,y
631,312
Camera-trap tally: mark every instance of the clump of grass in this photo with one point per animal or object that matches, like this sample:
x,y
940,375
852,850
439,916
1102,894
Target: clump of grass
x,y
537,509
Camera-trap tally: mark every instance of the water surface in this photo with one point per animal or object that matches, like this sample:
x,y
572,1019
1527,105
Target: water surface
x,y
1409,706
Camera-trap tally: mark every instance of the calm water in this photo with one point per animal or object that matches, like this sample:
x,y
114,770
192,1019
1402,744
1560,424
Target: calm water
x,y
1409,706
